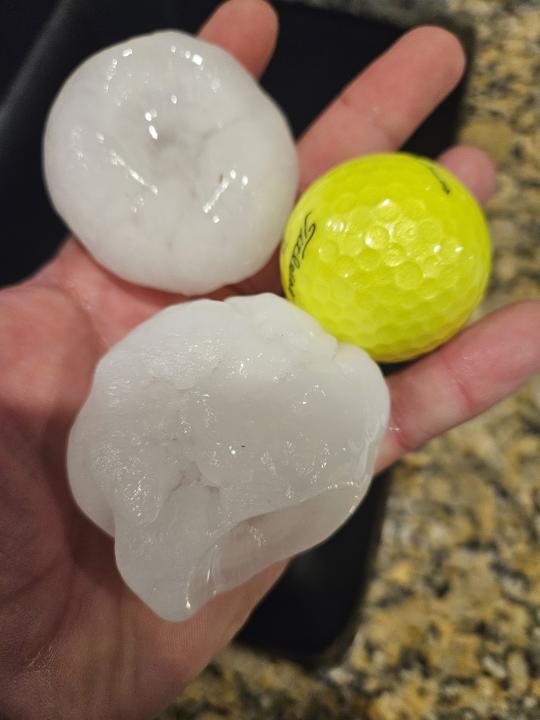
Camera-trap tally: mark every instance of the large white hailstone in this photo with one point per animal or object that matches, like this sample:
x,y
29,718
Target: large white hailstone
x,y
221,437
170,163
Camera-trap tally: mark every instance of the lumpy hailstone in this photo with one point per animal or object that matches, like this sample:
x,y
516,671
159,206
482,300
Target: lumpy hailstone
x,y
219,438
170,164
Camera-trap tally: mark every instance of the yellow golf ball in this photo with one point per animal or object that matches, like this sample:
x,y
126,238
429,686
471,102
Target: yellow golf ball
x,y
389,252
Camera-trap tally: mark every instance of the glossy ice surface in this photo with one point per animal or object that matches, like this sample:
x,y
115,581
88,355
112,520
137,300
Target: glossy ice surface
x,y
170,164
389,252
219,438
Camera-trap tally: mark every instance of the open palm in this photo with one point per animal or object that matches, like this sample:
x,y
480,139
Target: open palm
x,y
74,641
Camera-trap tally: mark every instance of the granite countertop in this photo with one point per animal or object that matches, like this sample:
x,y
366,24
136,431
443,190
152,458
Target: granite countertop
x,y
451,623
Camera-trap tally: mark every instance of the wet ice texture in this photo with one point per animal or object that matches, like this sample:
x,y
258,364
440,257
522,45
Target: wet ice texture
x,y
170,163
219,438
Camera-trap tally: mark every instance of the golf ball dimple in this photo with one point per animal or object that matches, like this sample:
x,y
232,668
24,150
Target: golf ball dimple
x,y
389,252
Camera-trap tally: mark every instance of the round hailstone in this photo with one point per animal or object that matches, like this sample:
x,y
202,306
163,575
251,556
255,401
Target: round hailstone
x,y
170,164
219,438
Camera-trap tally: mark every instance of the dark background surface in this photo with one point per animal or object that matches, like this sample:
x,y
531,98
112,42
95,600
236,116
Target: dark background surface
x,y
318,52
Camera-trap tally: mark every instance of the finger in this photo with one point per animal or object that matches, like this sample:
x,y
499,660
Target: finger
x,y
462,379
247,29
474,168
385,103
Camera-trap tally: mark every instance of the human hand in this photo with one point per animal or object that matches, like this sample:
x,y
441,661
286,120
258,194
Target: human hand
x,y
74,641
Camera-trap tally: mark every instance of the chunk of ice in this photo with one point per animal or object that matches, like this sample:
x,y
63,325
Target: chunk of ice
x,y
219,438
170,163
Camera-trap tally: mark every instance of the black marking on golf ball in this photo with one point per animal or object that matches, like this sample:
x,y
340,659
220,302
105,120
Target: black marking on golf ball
x,y
444,185
306,232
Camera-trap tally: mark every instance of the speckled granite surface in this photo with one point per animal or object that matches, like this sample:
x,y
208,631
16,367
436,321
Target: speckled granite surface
x,y
451,624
